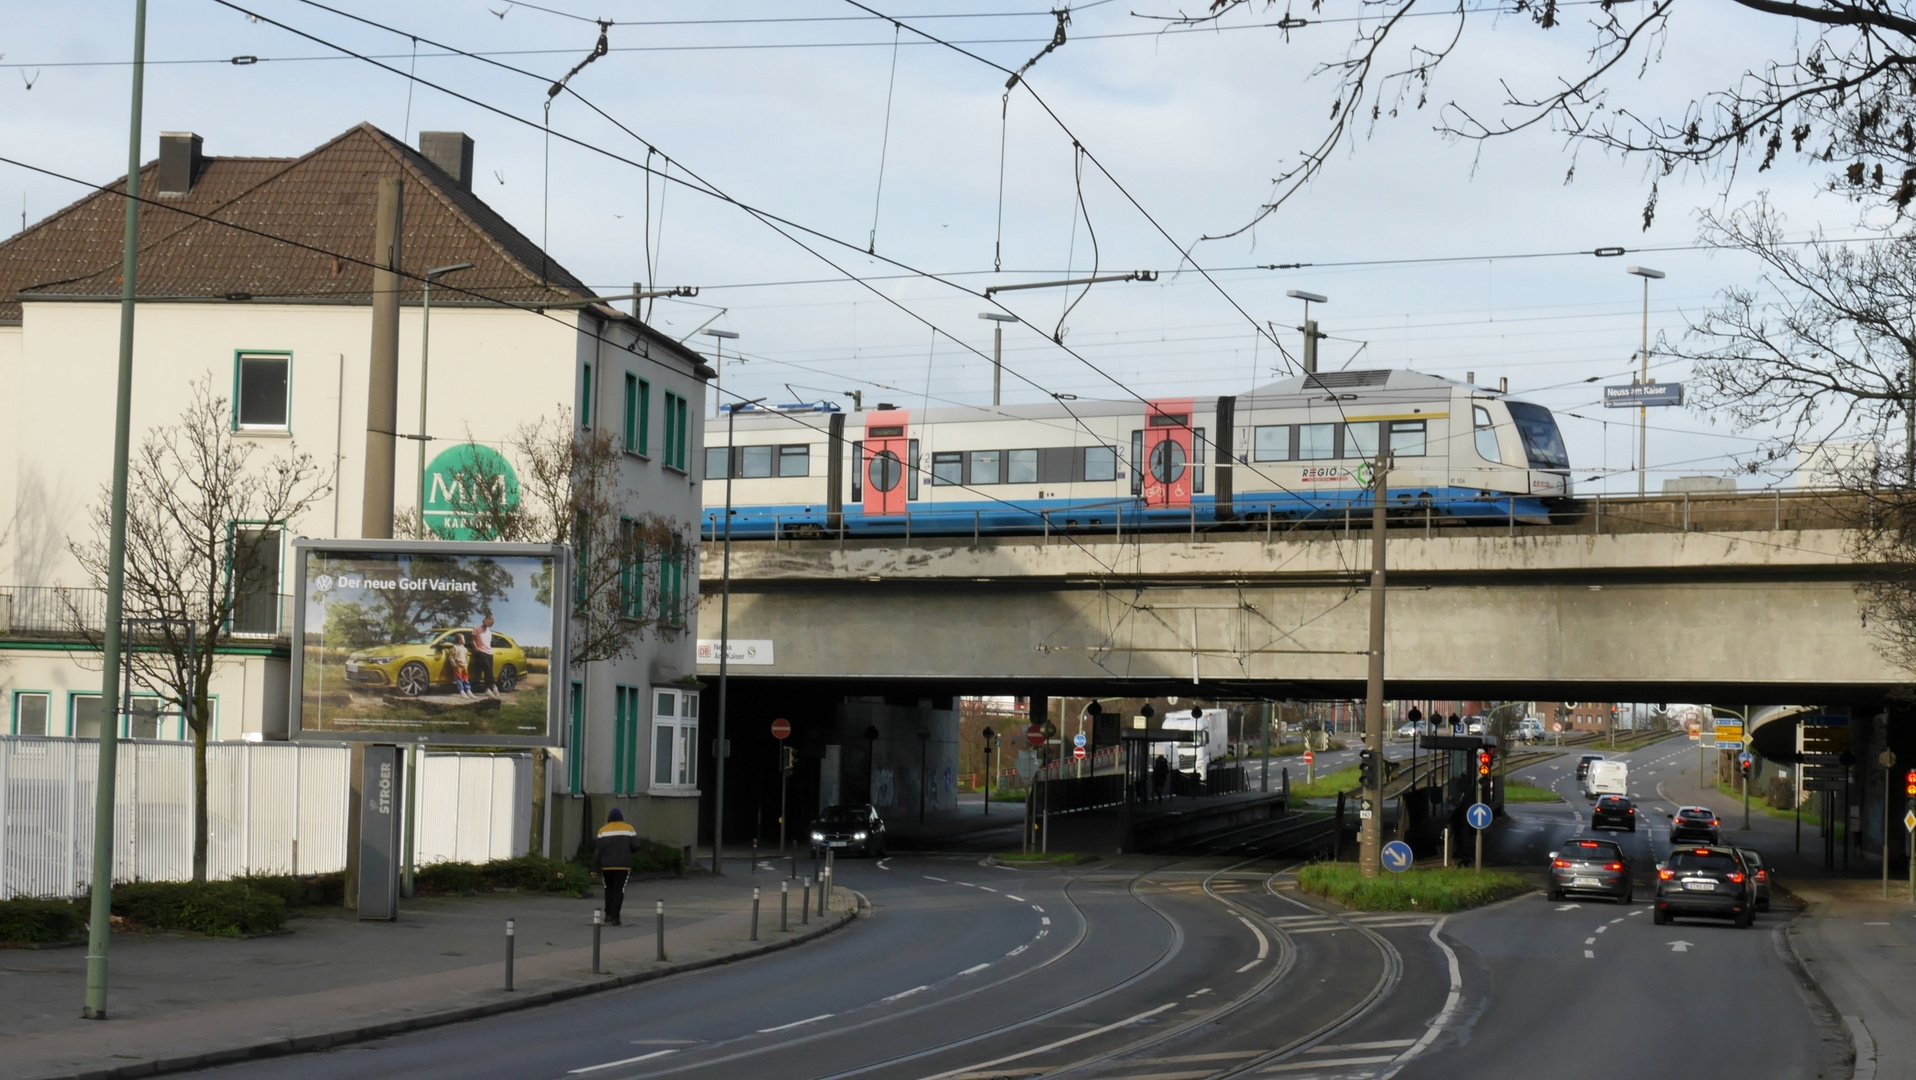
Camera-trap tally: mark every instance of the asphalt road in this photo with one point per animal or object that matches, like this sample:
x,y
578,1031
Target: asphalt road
x,y
1177,969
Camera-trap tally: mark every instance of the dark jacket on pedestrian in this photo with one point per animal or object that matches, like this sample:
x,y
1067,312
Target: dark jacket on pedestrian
x,y
618,844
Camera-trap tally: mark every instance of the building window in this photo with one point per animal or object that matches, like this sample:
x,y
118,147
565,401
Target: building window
x,y
755,462
985,466
716,459
947,467
1272,443
30,712
631,570
628,704
83,716
1407,438
1021,466
638,413
585,397
675,740
676,431
1316,442
1100,464
794,461
260,391
254,561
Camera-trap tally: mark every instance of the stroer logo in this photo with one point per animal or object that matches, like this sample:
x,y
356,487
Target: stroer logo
x,y
465,482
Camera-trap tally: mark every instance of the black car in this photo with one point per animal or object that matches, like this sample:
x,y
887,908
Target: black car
x,y
849,828
1614,812
1711,881
1583,764
1695,825
1590,866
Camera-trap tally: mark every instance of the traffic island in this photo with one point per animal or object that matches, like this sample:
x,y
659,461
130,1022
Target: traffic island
x,y
1034,860
1439,889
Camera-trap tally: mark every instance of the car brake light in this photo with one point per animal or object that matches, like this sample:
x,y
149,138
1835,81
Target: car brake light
x,y
1613,866
1735,876
1632,810
1702,851
1665,875
1762,875
1560,862
1714,823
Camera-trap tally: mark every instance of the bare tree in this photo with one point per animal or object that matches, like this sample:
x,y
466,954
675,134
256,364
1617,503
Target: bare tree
x,y
204,523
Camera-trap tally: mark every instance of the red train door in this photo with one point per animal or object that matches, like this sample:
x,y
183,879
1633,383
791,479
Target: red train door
x,y
885,462
1167,453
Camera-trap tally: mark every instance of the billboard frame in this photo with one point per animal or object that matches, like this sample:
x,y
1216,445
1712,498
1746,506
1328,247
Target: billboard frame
x,y
557,698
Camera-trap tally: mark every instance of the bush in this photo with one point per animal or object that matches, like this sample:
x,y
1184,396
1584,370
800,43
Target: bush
x,y
527,873
1441,889
307,890
446,878
655,857
38,922
221,908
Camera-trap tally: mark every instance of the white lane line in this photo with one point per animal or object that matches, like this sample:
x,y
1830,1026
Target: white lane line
x,y
1294,1066
928,877
624,1061
1588,955
1017,950
966,884
1263,943
987,888
1616,920
1569,907
1602,928
1248,966
1197,993
1035,907
1451,1002
797,1023
1048,1047
1020,899
1046,921
904,994
974,969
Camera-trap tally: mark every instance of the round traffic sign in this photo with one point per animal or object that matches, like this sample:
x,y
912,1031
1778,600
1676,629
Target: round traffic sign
x,y
1078,752
1078,740
781,728
1309,757
1478,815
1396,856
1035,735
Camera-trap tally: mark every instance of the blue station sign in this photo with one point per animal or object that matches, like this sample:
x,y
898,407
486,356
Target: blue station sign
x,y
1639,395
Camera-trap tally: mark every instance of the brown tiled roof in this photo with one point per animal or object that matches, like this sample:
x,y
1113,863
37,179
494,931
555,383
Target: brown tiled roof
x,y
324,199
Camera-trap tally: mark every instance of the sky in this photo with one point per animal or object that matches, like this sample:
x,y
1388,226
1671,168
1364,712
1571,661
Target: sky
x,y
883,153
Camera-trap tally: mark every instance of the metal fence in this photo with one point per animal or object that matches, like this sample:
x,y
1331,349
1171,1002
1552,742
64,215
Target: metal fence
x,y
272,808
59,611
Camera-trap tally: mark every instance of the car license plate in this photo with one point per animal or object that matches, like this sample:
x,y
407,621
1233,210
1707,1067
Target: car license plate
x,y
1700,886
839,843
1585,882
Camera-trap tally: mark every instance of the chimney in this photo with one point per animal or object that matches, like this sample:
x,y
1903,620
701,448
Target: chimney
x,y
452,152
180,162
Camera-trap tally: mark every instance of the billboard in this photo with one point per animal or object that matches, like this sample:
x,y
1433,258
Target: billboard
x,y
429,641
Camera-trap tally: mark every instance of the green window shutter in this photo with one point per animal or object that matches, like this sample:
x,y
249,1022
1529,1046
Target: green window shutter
x,y
631,411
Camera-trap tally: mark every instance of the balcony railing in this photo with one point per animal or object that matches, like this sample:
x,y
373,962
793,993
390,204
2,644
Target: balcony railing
x,y
58,611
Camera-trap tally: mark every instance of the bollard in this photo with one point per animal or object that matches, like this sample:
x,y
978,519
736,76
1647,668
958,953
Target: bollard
x,y
754,913
509,929
821,893
805,902
754,869
598,925
661,929
784,905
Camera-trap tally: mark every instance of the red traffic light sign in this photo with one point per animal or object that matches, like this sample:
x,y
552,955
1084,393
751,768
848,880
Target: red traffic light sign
x,y
781,728
1909,783
1035,734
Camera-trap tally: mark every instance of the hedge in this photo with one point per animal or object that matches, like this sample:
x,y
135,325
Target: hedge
x,y
37,922
527,873
220,908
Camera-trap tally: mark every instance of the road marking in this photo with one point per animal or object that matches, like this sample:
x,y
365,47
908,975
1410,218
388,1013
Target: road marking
x,y
797,1023
1046,921
928,877
1017,950
1680,946
616,1064
1197,993
1636,913
1589,941
1569,907
1035,907
1221,1055
1380,1044
1048,1047
1020,899
1294,1066
904,993
987,888
974,969
1875,924
1601,929
966,884
1248,966
883,861
1263,943
1616,920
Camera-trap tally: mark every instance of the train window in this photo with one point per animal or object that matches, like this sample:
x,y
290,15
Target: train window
x,y
913,466
1197,460
1137,463
1486,434
1100,463
794,461
1159,419
858,474
948,467
1407,438
1021,466
1316,442
755,462
1360,440
985,466
715,462
884,470
1541,440
1272,443
1167,461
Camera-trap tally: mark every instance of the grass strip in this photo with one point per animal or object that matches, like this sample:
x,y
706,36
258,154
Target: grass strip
x,y
1518,791
1327,785
1439,889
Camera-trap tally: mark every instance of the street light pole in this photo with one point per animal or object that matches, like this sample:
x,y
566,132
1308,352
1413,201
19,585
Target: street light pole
x,y
1370,825
425,364
99,922
998,320
719,338
725,647
1643,412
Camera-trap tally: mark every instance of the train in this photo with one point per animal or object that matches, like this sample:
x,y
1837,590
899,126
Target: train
x,y
1296,450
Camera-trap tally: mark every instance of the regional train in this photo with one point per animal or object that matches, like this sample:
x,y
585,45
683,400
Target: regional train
x,y
1299,449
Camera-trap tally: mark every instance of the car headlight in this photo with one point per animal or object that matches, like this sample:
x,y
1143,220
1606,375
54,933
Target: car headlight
x,y
858,836
818,836
378,659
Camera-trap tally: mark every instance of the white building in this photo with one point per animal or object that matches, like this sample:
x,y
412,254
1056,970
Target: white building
x,y
254,271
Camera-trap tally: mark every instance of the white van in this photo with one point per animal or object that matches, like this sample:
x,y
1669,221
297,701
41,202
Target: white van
x,y
1606,778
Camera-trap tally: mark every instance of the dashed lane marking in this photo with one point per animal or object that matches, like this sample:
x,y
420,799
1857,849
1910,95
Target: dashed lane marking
x,y
928,877
797,1023
1020,899
974,969
1589,955
623,1061
916,989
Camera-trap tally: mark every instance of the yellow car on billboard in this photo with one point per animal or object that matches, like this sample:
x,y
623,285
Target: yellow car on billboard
x,y
415,667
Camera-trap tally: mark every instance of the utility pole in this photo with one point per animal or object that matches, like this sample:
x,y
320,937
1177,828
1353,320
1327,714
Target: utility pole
x,y
99,920
725,644
1371,808
998,319
1643,412
382,386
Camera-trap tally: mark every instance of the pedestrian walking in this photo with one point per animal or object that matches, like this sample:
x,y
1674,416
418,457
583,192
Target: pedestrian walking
x,y
1160,778
482,658
618,842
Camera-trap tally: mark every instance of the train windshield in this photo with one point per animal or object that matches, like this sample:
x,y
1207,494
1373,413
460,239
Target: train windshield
x,y
1541,440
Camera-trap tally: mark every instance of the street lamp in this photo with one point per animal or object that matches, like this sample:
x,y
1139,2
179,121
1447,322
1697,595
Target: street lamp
x,y
1311,335
1643,412
719,338
425,359
725,643
998,320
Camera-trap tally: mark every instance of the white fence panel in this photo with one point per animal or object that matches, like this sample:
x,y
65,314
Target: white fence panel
x,y
473,807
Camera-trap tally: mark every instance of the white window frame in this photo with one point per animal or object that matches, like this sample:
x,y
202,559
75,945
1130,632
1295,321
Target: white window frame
x,y
673,742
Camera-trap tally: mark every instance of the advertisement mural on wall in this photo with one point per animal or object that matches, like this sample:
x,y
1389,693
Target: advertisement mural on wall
x,y
428,641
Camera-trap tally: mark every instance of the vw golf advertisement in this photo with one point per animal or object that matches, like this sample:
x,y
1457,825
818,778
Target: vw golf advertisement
x,y
429,642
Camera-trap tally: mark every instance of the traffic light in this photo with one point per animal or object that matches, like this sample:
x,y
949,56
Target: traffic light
x,y
788,757
1483,763
1367,768
1909,783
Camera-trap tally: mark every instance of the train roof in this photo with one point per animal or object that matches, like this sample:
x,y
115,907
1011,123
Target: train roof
x,y
1387,380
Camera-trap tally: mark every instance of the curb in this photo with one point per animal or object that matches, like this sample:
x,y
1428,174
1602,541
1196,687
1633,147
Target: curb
x,y
1862,1065
324,1040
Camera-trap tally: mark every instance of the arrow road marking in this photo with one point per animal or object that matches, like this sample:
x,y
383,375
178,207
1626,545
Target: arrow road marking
x,y
1679,946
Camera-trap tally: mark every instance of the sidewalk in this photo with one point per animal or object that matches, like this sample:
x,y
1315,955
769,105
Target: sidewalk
x,y
180,1002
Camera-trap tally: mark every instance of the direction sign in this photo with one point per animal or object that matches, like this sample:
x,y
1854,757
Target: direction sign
x,y
1078,740
781,728
1078,752
1396,856
1035,735
1478,815
1729,735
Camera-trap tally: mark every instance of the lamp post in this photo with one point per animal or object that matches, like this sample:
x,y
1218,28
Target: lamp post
x,y
1311,335
719,338
725,646
990,736
425,364
1643,412
998,319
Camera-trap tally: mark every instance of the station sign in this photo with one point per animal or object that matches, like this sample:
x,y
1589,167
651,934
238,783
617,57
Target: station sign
x,y
1642,395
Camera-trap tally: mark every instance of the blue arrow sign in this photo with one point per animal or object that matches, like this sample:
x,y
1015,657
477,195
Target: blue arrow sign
x,y
1078,739
1478,815
1396,856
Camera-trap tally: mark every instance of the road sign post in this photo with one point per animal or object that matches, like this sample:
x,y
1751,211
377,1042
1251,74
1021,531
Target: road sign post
x,y
781,730
1479,816
1396,856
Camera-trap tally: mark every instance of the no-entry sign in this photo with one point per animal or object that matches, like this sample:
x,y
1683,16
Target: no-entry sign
x,y
1035,735
1078,752
781,727
1309,757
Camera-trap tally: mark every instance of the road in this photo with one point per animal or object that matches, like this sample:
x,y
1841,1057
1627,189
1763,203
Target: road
x,y
1175,969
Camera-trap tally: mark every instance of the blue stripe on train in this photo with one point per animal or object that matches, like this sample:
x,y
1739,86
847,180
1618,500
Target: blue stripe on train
x,y
1066,515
